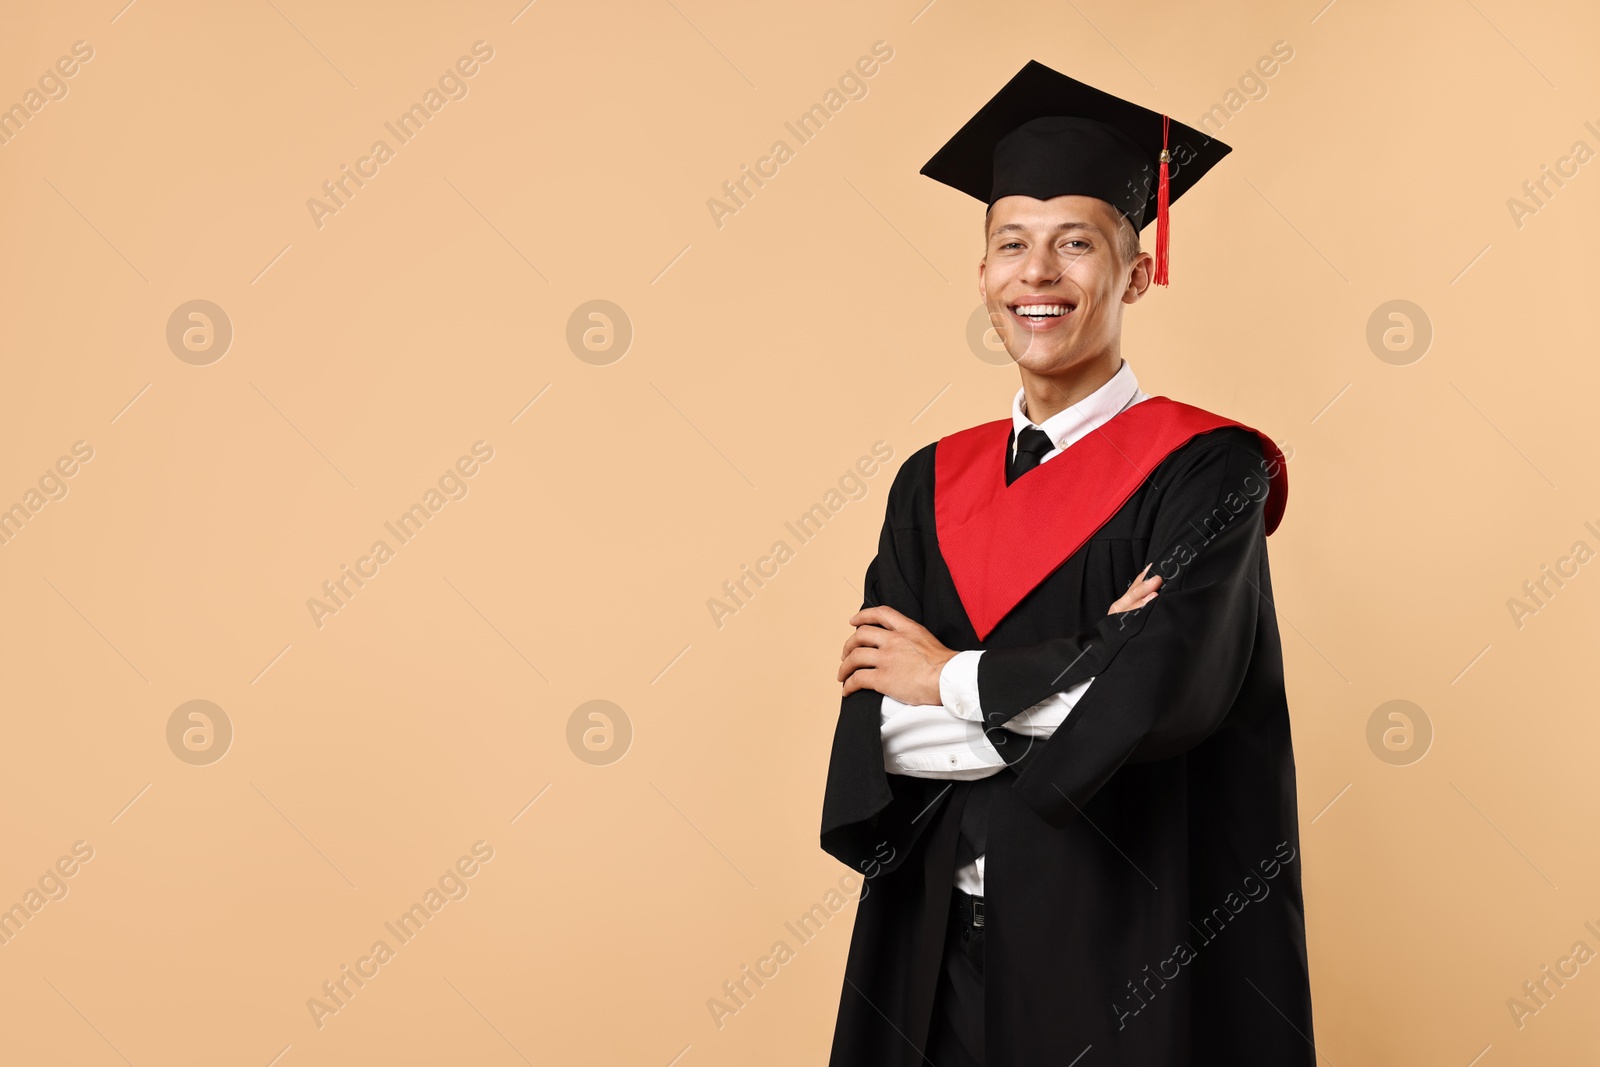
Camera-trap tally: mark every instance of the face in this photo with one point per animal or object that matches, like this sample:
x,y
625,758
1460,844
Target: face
x,y
1058,260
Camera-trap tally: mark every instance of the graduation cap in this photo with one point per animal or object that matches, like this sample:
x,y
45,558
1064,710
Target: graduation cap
x,y
1045,135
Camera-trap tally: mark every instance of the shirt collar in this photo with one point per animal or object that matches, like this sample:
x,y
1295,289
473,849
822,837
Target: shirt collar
x,y
1069,424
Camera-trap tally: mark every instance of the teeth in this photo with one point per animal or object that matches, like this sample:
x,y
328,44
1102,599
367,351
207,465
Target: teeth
x,y
1037,310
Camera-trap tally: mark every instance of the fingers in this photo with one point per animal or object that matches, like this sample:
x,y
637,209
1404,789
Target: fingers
x,y
1140,592
859,680
884,616
857,659
1142,586
872,626
864,635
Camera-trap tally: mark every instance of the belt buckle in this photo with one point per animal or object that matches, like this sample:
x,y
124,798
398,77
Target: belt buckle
x,y
977,911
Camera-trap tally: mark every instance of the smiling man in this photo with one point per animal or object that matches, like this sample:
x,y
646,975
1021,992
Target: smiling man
x,y
1062,762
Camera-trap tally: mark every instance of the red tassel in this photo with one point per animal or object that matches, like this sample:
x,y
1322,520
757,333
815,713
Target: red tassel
x,y
1163,223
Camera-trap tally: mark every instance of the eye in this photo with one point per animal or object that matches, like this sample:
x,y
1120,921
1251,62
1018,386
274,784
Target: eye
x,y
1010,244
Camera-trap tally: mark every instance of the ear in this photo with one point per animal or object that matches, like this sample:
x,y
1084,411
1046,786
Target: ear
x,y
1139,278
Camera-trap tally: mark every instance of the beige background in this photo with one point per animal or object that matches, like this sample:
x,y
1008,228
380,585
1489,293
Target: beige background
x,y
432,710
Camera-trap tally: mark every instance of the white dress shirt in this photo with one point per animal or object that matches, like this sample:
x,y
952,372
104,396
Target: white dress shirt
x,y
946,740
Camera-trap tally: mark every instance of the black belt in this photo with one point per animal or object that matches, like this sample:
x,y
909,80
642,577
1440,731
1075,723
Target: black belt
x,y
968,907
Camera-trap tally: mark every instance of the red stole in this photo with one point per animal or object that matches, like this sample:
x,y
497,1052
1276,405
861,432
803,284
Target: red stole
x,y
1001,541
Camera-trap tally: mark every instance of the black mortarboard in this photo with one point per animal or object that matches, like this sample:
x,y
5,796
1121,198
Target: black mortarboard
x,y
1045,135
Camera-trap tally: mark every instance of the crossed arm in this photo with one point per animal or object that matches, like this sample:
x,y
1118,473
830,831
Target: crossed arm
x,y
1168,677
932,724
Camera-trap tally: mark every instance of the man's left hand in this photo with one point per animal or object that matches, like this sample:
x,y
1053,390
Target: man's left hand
x,y
893,655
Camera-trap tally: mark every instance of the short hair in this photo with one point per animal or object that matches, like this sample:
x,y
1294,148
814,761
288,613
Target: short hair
x,y
1127,239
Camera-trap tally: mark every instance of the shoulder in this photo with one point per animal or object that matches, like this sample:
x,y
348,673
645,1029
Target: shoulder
x,y
1239,439
1209,432
922,458
1228,465
917,467
912,491
914,479
920,466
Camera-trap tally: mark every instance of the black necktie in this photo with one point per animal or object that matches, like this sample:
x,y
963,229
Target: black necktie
x,y
1031,448
972,838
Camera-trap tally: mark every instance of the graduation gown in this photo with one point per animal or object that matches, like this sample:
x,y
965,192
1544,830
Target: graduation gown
x,y
1142,887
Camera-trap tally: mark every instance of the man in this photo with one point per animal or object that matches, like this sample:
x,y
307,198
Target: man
x,y
1077,830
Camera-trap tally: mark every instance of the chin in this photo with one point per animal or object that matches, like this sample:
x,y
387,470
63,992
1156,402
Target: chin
x,y
1043,361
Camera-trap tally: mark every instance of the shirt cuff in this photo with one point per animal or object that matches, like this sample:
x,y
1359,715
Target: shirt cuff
x,y
1045,717
958,685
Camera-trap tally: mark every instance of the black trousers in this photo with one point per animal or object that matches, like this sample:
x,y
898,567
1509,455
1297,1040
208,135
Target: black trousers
x,y
955,1038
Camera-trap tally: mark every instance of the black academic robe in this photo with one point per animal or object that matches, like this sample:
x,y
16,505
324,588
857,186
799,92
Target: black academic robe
x,y
1143,884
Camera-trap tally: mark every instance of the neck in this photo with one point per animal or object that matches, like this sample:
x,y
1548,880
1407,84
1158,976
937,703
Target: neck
x,y
1043,395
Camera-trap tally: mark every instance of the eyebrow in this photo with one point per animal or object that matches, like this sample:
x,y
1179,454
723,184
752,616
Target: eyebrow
x,y
1064,227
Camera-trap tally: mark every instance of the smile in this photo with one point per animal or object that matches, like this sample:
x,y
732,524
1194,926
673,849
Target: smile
x,y
1041,316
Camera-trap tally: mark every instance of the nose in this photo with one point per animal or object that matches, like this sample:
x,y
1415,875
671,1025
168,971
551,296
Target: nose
x,y
1044,266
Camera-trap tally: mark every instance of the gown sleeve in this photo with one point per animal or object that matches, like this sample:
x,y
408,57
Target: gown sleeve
x,y
958,691
1166,674
871,818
